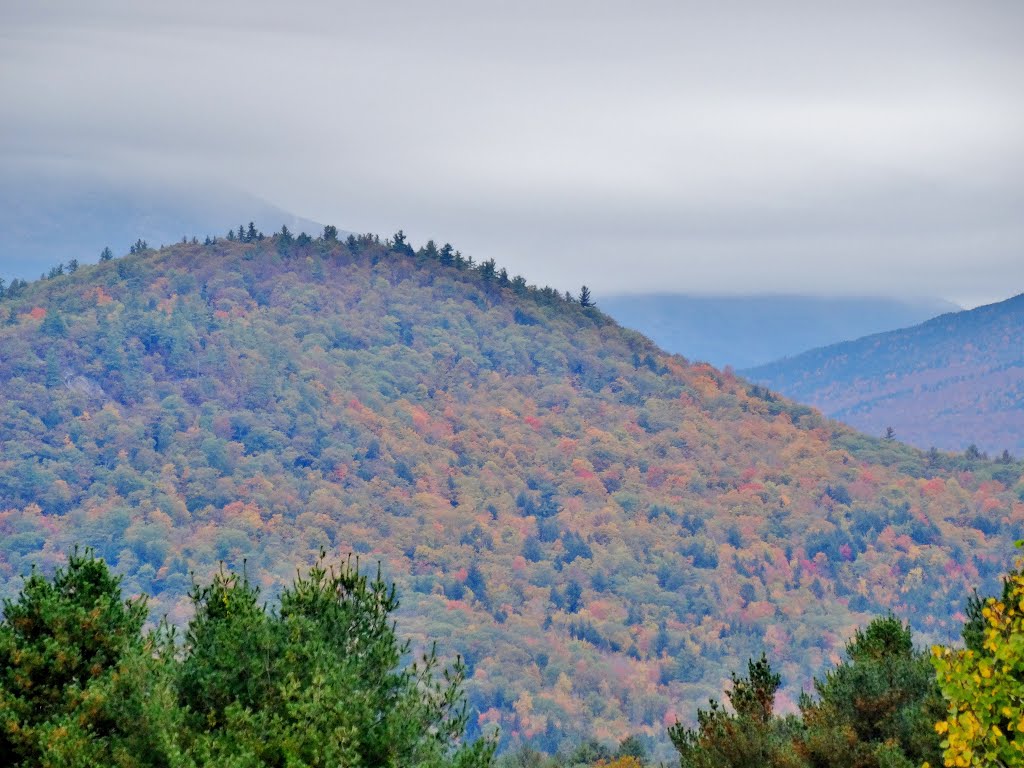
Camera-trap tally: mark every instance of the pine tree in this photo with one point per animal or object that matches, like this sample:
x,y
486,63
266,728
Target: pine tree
x,y
585,300
67,645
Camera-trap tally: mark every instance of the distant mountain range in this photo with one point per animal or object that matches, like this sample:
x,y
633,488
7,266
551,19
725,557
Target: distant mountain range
x,y
954,381
603,530
745,331
49,216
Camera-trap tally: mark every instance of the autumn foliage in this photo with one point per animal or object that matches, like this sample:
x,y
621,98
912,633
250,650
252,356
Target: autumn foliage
x,y
604,531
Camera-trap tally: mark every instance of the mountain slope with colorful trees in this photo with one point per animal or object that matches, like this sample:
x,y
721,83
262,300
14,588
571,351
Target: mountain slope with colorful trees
x,y
602,530
955,382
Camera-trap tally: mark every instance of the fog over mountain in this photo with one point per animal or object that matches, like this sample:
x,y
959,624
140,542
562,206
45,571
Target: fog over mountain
x,y
48,216
859,149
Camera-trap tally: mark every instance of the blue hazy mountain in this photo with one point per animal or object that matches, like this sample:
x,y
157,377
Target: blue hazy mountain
x,y
48,217
952,382
745,331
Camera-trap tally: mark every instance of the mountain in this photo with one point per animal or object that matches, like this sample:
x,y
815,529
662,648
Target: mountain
x,y
952,382
745,331
605,531
49,216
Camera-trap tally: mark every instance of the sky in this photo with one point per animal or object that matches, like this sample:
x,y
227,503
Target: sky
x,y
872,148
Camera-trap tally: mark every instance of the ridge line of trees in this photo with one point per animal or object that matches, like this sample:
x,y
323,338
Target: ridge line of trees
x,y
487,271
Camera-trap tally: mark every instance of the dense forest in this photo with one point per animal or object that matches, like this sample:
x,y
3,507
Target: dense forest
x,y
603,531
953,382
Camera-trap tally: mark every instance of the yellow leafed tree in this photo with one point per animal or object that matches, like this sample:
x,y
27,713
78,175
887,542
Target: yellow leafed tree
x,y
985,686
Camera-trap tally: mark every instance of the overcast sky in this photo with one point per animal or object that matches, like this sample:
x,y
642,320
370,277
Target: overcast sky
x,y
857,147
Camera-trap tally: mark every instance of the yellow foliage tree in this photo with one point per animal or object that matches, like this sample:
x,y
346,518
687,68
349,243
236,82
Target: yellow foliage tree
x,y
985,688
627,761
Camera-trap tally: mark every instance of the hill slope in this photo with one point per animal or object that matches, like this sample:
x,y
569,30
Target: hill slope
x,y
951,382
603,530
744,331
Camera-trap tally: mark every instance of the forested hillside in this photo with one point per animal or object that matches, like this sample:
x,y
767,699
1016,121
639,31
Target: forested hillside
x,y
953,382
604,531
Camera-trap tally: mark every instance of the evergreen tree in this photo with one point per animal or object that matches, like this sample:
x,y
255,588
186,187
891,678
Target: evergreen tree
x,y
106,254
573,597
53,377
70,650
429,251
585,300
330,234
319,682
877,706
445,254
399,244
749,737
53,325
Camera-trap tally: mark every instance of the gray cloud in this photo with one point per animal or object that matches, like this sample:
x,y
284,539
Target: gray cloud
x,y
866,147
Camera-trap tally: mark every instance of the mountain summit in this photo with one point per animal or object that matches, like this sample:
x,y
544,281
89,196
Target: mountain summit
x,y
603,530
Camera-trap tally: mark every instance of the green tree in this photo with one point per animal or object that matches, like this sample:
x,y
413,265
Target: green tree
x,y
748,737
78,684
53,324
318,682
585,300
877,708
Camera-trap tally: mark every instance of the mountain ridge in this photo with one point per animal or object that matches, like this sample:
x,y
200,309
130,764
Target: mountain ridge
x,y
953,381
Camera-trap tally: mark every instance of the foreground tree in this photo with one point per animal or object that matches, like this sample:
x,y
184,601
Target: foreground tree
x,y
878,708
875,710
78,684
748,737
320,681
984,683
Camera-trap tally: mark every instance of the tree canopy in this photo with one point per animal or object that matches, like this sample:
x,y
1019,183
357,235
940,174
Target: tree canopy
x,y
319,680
